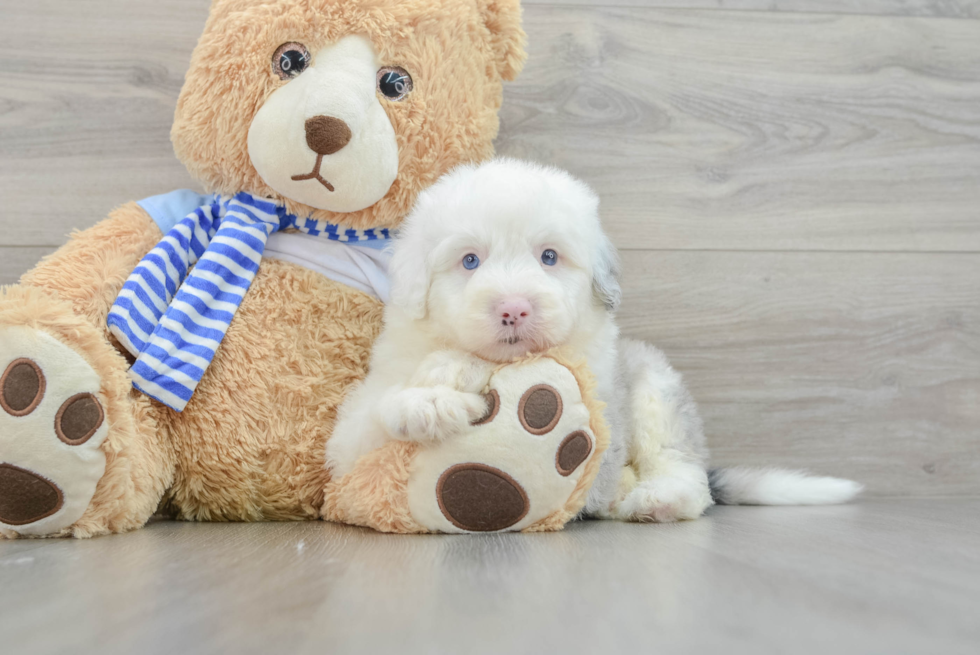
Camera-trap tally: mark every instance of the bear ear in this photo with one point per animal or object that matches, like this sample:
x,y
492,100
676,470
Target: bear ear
x,y
507,37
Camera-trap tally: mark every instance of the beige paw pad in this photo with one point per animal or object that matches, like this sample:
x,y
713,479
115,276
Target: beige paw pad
x,y
517,464
52,425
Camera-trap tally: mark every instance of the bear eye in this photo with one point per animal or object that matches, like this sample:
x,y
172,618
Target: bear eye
x,y
394,82
470,262
290,60
549,257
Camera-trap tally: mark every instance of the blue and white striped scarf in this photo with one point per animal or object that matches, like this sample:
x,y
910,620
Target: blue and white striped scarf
x,y
176,307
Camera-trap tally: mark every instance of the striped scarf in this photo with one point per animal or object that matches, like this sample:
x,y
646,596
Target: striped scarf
x,y
175,308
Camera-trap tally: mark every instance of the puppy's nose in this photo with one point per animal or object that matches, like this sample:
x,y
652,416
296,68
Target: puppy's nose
x,y
326,135
513,312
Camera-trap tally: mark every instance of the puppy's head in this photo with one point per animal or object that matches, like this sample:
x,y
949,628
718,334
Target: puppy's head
x,y
504,259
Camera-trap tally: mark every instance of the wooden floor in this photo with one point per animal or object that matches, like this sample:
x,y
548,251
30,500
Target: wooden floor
x,y
886,576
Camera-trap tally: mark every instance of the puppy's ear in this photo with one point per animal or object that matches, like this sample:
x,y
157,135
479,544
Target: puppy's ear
x,y
410,271
605,275
507,38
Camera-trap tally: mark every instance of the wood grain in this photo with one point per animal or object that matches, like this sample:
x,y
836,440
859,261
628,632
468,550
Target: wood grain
x,y
701,129
14,262
749,131
935,8
878,577
860,365
87,95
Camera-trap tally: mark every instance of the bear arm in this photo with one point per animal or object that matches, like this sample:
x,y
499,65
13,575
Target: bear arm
x,y
89,270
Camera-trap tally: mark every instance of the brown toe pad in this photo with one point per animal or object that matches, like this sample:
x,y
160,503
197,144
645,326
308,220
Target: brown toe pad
x,y
540,409
78,419
574,450
21,387
493,406
481,498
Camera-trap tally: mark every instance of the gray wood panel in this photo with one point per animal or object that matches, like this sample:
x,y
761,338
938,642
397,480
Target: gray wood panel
x,y
743,130
864,365
701,129
883,577
936,8
87,95
14,262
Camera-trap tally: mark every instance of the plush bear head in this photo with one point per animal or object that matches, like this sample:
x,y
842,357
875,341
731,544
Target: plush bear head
x,y
344,109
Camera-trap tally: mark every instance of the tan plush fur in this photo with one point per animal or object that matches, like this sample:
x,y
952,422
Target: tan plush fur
x,y
375,494
91,268
447,46
250,444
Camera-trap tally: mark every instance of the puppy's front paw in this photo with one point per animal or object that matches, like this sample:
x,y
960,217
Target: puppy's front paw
x,y
453,369
665,499
431,413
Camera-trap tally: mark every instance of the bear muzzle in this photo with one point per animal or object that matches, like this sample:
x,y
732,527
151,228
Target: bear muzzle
x,y
323,139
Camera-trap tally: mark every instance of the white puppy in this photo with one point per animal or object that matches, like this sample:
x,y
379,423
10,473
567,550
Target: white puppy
x,y
509,258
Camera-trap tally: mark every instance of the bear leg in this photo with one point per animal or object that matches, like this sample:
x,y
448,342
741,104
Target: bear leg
x,y
81,453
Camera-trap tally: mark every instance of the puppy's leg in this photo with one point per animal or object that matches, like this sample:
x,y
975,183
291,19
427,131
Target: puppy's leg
x,y
605,491
667,448
454,369
442,398
357,430
371,416
429,413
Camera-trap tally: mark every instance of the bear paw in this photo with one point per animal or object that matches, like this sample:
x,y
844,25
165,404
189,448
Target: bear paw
x,y
517,464
52,426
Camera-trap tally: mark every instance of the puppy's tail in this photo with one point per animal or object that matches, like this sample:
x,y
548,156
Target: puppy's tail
x,y
752,486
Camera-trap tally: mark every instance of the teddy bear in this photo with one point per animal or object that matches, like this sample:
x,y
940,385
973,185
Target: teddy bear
x,y
187,355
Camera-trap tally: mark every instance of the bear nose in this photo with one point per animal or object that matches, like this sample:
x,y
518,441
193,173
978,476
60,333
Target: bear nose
x,y
513,311
326,135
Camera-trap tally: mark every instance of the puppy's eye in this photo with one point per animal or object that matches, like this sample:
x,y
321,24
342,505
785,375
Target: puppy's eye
x,y
290,60
470,262
549,257
394,82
